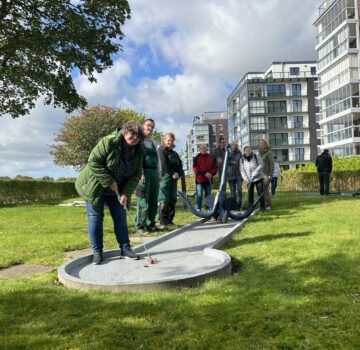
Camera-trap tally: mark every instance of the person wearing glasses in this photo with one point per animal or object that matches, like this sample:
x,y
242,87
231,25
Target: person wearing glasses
x,y
113,170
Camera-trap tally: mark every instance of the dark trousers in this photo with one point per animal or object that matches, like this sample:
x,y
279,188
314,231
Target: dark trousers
x,y
324,181
273,185
260,189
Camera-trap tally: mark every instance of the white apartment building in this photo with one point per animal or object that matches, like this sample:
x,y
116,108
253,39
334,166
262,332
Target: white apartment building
x,y
277,104
337,45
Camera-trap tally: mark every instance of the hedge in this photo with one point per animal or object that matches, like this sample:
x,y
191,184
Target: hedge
x,y
21,191
343,181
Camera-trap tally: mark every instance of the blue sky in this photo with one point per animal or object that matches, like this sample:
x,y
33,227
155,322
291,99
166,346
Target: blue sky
x,y
179,59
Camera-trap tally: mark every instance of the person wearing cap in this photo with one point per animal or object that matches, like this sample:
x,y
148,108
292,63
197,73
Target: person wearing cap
x,y
324,167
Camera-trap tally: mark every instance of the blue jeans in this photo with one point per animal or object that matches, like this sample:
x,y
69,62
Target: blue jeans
x,y
200,188
96,218
273,185
236,185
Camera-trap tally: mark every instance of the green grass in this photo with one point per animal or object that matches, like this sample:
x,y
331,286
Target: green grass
x,y
296,285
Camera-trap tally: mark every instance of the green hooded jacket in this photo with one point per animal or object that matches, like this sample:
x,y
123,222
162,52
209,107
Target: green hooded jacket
x,y
103,161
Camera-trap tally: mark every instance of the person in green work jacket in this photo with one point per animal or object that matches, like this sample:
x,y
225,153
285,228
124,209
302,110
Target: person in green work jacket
x,y
110,176
147,190
171,171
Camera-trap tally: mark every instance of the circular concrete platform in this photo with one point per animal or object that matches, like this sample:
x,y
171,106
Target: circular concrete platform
x,y
175,268
184,257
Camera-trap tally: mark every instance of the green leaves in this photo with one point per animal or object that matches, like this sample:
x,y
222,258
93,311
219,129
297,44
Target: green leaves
x,y
41,42
79,135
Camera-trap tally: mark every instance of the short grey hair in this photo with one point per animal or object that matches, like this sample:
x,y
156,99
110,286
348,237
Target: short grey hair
x,y
133,127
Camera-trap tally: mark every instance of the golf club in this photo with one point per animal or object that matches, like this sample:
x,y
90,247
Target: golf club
x,y
151,260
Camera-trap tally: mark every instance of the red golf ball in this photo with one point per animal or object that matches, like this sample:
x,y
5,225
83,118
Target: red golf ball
x,y
152,261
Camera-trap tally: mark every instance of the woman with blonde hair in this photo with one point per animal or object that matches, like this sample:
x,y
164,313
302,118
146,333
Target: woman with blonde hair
x,y
171,171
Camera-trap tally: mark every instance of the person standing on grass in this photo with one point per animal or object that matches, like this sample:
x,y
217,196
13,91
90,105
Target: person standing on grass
x,y
171,171
324,167
219,154
110,176
268,170
147,190
252,173
233,173
277,173
204,167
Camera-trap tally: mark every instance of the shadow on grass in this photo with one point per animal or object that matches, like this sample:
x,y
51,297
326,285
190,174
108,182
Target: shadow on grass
x,y
265,238
260,307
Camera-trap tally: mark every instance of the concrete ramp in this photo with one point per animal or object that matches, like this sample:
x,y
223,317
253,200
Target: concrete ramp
x,y
184,257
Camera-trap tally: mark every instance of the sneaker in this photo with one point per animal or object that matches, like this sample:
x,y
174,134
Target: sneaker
x,y
129,254
97,258
171,224
162,227
152,229
141,231
268,207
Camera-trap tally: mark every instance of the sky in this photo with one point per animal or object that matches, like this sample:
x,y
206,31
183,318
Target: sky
x,y
179,59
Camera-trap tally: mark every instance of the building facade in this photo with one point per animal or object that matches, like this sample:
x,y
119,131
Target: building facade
x,y
207,129
277,105
337,45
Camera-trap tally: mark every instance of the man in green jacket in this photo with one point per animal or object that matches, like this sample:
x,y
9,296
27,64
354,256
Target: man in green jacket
x,y
110,176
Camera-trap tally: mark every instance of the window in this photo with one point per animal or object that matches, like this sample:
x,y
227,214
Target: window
x,y
277,123
296,89
299,153
278,139
276,90
281,154
277,106
294,71
313,70
297,121
255,138
257,123
298,138
296,105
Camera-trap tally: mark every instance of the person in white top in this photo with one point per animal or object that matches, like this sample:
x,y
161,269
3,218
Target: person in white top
x,y
277,173
251,168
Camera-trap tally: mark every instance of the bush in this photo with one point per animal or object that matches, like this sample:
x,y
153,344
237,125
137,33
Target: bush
x,y
21,191
342,181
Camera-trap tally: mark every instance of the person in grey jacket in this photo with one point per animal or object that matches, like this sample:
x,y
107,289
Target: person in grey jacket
x,y
268,169
252,173
233,173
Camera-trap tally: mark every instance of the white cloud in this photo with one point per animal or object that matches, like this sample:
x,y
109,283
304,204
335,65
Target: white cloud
x,y
211,43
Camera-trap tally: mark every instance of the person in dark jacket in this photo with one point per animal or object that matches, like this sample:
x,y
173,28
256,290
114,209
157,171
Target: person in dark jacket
x,y
219,154
147,190
324,167
110,176
171,171
204,167
233,173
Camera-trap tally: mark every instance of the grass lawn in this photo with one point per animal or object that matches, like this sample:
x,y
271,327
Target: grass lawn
x,y
296,285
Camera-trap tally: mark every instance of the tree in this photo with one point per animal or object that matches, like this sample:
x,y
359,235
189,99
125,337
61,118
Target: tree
x,y
79,135
43,42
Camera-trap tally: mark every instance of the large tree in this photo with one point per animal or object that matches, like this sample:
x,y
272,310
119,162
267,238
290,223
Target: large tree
x,y
43,42
79,135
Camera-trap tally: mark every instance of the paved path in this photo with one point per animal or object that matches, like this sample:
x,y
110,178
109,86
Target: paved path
x,y
183,257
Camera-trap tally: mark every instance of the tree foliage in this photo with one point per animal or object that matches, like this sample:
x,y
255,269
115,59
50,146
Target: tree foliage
x,y
79,135
42,42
